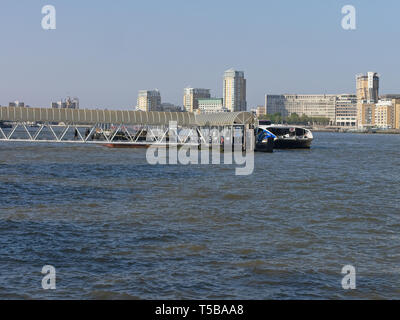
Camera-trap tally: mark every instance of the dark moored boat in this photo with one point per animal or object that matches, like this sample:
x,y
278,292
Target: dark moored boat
x,y
264,140
5,125
289,137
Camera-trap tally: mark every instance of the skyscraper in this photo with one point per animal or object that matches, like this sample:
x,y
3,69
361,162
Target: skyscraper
x,y
149,100
368,87
191,98
235,90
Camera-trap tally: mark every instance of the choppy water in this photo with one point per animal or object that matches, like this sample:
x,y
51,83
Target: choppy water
x,y
116,227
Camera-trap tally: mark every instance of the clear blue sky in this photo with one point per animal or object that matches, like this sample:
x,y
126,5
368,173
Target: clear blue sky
x,y
105,51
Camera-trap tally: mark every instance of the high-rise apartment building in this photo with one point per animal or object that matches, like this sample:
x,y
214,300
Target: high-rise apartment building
x,y
368,87
149,100
235,91
191,98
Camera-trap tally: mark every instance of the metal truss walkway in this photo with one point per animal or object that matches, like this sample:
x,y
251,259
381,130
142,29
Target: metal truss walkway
x,y
117,127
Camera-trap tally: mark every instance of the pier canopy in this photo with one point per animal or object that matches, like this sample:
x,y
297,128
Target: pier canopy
x,y
86,116
124,117
225,119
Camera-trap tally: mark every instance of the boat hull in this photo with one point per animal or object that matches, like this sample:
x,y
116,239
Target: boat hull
x,y
5,126
292,143
267,146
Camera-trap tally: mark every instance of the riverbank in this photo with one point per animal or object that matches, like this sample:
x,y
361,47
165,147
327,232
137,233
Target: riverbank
x,y
343,130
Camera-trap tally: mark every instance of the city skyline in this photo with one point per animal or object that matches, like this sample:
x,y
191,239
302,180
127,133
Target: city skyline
x,y
103,62
188,89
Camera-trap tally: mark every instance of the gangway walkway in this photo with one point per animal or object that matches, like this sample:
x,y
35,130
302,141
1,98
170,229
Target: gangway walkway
x,y
51,125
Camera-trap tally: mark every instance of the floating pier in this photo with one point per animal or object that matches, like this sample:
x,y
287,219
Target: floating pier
x,y
118,127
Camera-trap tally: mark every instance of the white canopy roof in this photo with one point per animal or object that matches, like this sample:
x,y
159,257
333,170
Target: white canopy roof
x,y
126,117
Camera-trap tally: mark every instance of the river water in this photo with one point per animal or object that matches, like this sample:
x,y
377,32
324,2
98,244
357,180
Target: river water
x,y
116,227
